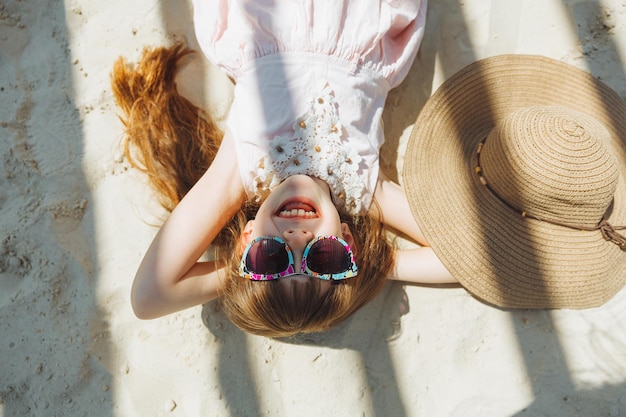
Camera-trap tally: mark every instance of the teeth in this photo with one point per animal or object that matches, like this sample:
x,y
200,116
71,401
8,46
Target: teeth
x,y
297,213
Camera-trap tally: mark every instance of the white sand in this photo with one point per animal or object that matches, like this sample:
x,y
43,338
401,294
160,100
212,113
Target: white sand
x,y
74,223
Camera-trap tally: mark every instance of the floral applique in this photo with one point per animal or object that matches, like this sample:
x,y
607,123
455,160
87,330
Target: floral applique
x,y
316,149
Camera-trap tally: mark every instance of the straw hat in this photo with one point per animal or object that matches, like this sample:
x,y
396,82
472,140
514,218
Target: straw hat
x,y
533,217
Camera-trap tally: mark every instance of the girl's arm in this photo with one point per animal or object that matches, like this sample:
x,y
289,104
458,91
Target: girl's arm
x,y
419,265
393,208
170,278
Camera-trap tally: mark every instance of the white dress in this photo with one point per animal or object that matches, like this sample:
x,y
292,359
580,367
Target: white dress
x,y
311,81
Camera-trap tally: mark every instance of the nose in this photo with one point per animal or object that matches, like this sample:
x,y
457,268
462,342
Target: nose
x,y
297,239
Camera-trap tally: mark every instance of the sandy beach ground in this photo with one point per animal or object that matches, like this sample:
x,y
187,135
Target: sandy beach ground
x,y
75,222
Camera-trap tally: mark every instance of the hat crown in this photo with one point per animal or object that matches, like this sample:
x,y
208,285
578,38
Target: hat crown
x,y
553,163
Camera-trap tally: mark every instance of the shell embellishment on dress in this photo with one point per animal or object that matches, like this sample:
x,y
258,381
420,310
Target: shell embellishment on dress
x,y
316,149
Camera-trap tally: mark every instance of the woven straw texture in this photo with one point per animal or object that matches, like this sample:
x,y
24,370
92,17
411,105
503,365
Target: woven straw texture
x,y
555,170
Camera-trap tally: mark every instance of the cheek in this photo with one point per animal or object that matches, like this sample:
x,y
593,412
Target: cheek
x,y
334,224
262,224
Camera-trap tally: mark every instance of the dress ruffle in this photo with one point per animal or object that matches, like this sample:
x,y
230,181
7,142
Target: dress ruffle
x,y
382,36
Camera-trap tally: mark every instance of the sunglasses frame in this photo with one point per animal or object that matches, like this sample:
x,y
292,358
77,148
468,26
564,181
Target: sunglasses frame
x,y
352,271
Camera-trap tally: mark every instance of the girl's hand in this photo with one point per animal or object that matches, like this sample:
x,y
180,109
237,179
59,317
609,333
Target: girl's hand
x,y
170,278
419,265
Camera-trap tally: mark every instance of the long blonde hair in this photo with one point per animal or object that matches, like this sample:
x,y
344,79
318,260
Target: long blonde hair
x,y
173,142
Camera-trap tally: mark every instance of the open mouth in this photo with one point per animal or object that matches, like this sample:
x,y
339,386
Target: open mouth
x,y
297,209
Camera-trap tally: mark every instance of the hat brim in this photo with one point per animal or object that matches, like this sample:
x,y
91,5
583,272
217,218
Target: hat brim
x,y
497,255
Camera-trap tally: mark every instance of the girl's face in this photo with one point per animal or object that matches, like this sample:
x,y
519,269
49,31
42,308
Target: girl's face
x,y
297,211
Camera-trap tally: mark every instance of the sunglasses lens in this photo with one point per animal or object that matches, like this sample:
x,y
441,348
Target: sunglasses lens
x,y
267,256
328,256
